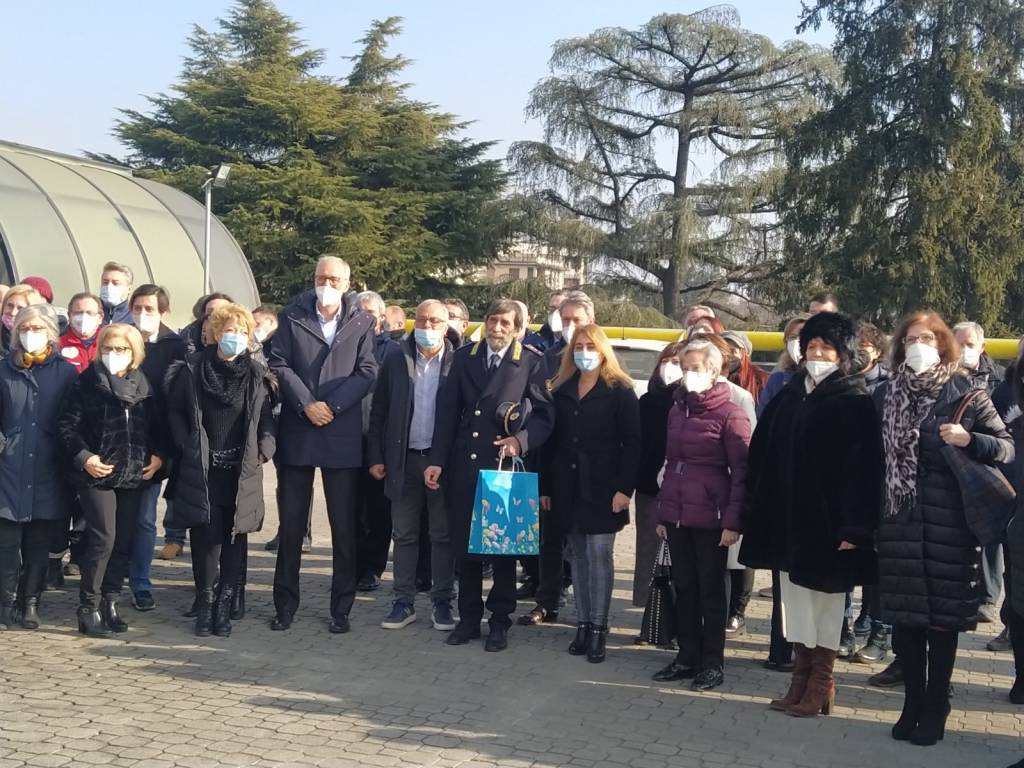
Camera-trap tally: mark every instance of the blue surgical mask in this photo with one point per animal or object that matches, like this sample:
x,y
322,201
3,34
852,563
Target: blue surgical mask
x,y
233,344
428,338
586,360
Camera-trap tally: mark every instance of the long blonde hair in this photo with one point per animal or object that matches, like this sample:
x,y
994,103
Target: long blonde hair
x,y
611,370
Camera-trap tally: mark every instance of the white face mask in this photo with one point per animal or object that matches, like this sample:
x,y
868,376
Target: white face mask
x,y
819,370
568,331
117,361
84,325
33,341
555,323
793,349
146,323
260,334
970,357
328,296
697,381
112,295
670,372
921,357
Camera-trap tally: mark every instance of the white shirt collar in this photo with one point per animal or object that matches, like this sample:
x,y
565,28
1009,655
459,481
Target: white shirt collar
x,y
500,355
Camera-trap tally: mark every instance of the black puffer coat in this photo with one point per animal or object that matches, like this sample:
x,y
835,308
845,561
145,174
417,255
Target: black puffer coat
x,y
113,419
189,484
930,563
814,480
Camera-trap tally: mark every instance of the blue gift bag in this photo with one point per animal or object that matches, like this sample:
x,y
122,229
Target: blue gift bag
x,y
506,512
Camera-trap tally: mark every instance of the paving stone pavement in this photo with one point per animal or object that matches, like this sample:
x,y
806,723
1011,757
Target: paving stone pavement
x,y
159,697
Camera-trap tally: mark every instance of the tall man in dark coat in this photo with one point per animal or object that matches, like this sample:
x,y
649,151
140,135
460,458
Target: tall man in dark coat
x,y
401,432
323,358
467,439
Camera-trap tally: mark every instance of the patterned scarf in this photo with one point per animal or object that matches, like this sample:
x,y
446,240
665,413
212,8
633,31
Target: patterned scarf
x,y
908,402
28,359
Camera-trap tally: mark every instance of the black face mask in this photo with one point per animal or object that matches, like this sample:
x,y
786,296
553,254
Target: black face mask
x,y
453,336
398,335
732,367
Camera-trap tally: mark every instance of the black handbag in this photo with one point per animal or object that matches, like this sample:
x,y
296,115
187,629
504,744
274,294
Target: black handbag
x,y
989,498
659,623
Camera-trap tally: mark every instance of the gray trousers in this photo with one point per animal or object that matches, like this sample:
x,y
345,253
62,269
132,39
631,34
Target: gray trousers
x,y
405,520
593,575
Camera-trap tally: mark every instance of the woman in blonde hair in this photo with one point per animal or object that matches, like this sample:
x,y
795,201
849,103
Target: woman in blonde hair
x,y
106,428
15,300
590,473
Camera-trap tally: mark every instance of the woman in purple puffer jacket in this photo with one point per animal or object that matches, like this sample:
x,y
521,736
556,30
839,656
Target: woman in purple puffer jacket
x,y
699,509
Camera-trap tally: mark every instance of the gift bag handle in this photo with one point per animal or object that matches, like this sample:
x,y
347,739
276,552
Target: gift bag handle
x,y
517,463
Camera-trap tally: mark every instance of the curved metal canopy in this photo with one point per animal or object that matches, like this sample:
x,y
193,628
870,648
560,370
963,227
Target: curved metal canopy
x,y
63,217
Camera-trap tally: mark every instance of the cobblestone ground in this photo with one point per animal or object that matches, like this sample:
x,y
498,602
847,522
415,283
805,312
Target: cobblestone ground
x,y
159,697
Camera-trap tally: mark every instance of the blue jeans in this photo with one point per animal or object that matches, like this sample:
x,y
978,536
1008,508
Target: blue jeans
x,y
144,540
593,575
172,533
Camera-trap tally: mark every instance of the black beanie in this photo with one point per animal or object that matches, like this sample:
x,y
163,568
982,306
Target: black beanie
x,y
836,330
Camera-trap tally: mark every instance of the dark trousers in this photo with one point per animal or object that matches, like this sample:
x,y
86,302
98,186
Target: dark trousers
x,y
551,563
341,489
741,585
501,601
779,651
992,568
216,557
24,550
69,533
373,533
698,573
424,565
111,517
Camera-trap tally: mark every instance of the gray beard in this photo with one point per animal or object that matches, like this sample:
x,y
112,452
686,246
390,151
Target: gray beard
x,y
496,345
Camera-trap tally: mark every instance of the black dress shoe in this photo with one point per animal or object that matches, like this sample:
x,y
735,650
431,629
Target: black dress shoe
x,y
368,583
736,625
497,640
538,615
674,672
463,634
281,623
708,679
340,625
526,590
778,666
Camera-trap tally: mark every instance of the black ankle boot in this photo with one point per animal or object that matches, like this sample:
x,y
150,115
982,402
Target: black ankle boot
x,y
30,616
238,604
194,608
108,610
595,644
578,647
6,617
222,612
204,613
913,656
91,623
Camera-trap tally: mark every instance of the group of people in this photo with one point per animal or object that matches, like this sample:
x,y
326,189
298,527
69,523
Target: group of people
x,y
831,472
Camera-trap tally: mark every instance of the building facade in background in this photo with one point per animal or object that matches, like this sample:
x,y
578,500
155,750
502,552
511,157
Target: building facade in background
x,y
529,260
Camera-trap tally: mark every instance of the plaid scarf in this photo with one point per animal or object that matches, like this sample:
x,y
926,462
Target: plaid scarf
x,y
908,401
28,359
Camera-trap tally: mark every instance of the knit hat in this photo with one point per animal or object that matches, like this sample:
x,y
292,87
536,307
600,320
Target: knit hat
x,y
740,340
836,330
42,286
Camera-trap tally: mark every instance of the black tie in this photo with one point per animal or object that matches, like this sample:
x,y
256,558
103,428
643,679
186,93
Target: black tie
x,y
492,363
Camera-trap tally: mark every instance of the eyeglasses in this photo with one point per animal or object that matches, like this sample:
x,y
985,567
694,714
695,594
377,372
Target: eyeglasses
x,y
923,338
325,279
433,322
117,350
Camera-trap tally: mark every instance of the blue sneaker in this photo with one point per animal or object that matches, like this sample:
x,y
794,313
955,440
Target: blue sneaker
x,y
442,616
402,615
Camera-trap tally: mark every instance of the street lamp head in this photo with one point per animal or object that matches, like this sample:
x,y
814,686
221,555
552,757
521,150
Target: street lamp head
x,y
220,175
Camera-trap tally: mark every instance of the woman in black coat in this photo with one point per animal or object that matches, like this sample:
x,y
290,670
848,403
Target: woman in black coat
x,y
107,431
813,486
591,461
221,418
929,561
655,405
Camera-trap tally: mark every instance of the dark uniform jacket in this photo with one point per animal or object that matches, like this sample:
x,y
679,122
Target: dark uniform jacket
x,y
466,425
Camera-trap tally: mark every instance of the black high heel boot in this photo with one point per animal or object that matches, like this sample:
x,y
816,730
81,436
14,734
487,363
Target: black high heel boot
x,y
913,654
204,613
941,659
30,615
108,610
222,612
91,623
596,644
238,604
578,647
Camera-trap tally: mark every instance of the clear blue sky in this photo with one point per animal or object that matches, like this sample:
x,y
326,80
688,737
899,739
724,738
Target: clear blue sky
x,y
69,65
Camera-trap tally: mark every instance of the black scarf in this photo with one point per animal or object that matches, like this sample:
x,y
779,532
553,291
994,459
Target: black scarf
x,y
223,380
130,389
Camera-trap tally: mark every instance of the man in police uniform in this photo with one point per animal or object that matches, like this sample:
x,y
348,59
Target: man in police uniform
x,y
467,438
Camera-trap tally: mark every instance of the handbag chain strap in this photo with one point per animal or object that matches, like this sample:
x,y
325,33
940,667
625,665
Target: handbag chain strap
x,y
965,403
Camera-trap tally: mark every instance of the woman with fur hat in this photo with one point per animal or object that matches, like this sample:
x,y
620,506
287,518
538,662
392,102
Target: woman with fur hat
x,y
813,488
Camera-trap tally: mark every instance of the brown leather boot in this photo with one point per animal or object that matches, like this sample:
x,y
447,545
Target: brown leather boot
x,y
798,682
820,695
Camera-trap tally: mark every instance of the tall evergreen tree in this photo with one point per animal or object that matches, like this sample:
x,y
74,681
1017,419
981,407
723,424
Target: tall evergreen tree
x,y
906,190
353,167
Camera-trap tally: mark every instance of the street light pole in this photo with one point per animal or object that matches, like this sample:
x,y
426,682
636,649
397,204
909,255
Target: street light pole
x,y
208,189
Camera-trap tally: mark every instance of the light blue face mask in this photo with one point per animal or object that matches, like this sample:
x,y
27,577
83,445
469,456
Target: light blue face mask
x,y
428,338
233,344
586,360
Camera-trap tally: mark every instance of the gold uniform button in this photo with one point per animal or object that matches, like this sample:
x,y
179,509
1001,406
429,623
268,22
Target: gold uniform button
x,y
472,457
476,413
476,434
